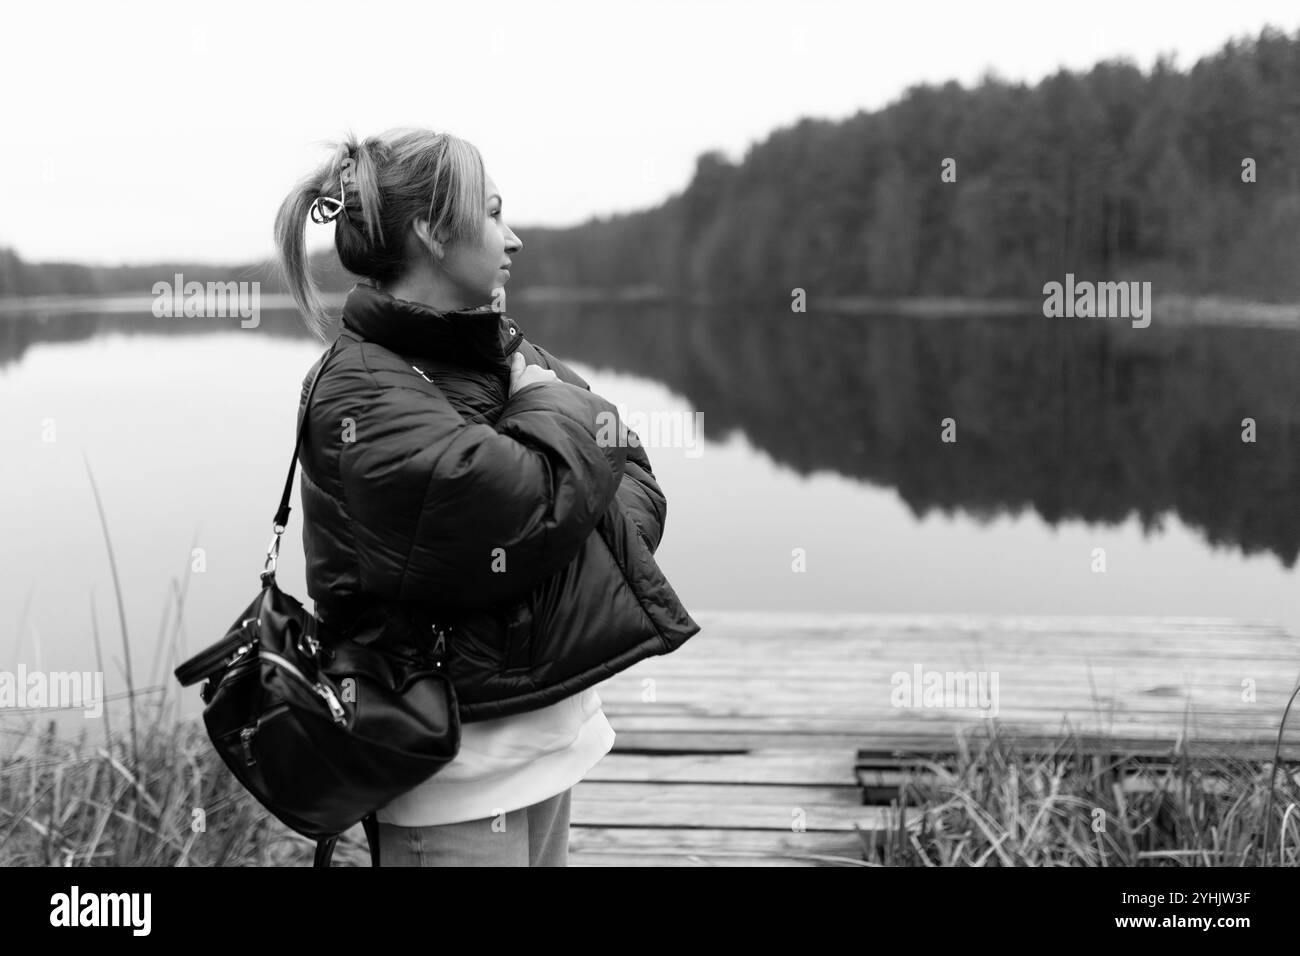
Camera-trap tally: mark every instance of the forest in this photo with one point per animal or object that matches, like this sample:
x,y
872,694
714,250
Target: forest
x,y
1185,178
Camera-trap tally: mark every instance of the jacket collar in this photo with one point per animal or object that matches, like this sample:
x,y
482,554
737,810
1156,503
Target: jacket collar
x,y
468,337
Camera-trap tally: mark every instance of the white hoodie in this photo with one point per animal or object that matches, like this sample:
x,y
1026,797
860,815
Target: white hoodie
x,y
508,763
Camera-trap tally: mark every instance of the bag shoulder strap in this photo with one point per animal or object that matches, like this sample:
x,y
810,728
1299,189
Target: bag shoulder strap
x,y
282,515
324,855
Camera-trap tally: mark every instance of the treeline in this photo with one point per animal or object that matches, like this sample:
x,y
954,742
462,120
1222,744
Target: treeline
x,y
1114,173
21,278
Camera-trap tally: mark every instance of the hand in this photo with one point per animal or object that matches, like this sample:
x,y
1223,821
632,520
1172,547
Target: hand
x,y
523,375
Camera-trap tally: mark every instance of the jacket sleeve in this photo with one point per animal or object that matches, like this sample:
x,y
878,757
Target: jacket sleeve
x,y
472,514
638,493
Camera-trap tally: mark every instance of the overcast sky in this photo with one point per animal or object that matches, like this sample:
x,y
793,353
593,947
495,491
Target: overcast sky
x,y
140,131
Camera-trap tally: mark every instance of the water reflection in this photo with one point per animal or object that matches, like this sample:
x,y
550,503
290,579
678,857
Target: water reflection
x,y
1072,419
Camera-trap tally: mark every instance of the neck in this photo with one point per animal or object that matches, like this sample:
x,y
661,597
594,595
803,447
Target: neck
x,y
432,290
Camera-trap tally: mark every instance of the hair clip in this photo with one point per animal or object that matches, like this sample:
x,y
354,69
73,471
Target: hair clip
x,y
325,209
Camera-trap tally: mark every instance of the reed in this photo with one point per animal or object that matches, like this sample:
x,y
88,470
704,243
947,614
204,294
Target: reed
x,y
74,803
121,611
997,806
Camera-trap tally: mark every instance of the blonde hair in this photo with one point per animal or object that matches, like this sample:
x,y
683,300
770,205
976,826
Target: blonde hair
x,y
398,177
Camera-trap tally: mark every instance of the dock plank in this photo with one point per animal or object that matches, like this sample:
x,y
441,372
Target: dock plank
x,y
751,807
818,768
1257,750
670,857
731,841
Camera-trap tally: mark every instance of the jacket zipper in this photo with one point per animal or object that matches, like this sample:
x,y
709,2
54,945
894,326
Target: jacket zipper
x,y
515,336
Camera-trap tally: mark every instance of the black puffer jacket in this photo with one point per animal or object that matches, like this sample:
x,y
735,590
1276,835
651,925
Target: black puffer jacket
x,y
429,492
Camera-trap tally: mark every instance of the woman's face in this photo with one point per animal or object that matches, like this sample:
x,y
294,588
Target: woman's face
x,y
478,271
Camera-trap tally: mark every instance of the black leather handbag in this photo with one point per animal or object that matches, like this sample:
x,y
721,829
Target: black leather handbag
x,y
322,729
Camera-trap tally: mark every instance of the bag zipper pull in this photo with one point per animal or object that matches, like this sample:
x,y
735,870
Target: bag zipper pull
x,y
331,700
246,739
440,645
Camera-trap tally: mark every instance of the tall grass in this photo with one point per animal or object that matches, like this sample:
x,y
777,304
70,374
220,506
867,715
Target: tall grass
x,y
995,805
74,803
160,796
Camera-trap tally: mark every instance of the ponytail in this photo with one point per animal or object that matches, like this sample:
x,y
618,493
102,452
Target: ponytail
x,y
291,249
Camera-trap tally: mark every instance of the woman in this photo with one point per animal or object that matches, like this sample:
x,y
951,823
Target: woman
x,y
451,466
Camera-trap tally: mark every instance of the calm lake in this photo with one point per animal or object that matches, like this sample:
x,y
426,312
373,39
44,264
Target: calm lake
x,y
820,433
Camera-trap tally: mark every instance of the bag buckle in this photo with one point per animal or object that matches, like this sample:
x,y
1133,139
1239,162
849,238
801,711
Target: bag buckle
x,y
273,551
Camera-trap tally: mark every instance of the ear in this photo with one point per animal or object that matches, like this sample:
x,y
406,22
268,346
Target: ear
x,y
423,233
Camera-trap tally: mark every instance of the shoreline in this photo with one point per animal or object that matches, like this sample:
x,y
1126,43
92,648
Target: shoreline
x,y
1178,308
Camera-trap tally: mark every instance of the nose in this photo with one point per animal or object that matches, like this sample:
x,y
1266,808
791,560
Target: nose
x,y
513,243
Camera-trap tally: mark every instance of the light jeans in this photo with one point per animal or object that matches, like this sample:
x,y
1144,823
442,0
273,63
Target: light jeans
x,y
530,836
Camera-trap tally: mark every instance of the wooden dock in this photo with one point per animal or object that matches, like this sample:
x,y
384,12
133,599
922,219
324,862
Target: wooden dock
x,y
756,743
